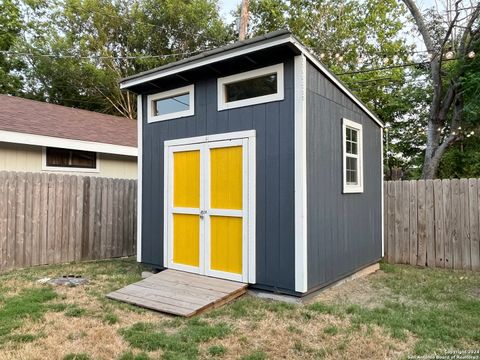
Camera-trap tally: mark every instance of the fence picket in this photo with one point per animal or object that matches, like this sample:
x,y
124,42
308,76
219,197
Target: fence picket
x,y
474,223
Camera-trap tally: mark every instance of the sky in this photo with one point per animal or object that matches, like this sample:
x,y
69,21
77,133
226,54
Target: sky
x,y
226,6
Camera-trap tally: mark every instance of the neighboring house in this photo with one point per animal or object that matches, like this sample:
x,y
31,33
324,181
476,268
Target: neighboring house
x,y
257,165
42,137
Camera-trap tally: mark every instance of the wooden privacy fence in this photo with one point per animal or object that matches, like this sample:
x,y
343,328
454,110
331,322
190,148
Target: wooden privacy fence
x,y
55,218
433,223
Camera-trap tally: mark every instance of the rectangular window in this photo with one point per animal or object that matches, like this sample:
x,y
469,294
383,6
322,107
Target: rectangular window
x,y
352,157
251,87
69,160
171,104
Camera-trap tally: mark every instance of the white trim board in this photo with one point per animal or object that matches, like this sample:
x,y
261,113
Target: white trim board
x,y
301,269
228,54
50,141
139,176
382,194
352,188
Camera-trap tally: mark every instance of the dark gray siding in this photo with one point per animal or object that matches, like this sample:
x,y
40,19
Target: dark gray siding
x,y
274,127
344,230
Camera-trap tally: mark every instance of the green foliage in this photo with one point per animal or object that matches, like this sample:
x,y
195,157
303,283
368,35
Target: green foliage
x,y
75,311
256,355
11,25
331,330
182,344
28,304
462,160
130,356
110,318
80,356
217,350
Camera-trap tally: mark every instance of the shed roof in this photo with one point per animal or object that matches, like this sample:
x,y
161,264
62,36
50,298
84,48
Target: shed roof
x,y
42,119
241,48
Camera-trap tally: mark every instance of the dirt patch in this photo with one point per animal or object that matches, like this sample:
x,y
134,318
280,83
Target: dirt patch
x,y
365,292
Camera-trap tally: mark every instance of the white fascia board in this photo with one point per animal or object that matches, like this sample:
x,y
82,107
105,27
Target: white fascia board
x,y
202,62
51,141
139,176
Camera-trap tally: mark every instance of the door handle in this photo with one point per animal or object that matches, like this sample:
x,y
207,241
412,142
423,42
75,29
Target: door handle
x,y
202,213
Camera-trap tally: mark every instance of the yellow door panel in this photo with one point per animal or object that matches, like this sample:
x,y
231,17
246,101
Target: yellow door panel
x,y
226,244
186,179
226,177
186,239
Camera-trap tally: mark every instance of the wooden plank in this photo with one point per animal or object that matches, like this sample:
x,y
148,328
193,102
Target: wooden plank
x,y
439,224
121,210
126,236
421,224
28,219
413,248
79,218
103,219
391,222
456,224
52,193
11,216
465,225
128,240
135,195
430,221
198,280
65,219
72,218
398,222
115,244
448,200
36,194
58,219
97,206
109,219
405,221
152,305
20,221
474,214
132,218
43,218
385,219
177,290
3,219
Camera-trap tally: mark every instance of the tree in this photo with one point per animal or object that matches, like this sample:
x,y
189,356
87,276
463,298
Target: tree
x,y
10,28
92,44
456,35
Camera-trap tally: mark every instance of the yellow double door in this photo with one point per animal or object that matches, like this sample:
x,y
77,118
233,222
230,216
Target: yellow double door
x,y
207,208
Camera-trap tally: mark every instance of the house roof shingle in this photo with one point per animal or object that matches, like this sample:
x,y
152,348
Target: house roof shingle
x,y
40,118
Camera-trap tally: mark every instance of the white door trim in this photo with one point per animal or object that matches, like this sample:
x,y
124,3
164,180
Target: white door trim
x,y
245,139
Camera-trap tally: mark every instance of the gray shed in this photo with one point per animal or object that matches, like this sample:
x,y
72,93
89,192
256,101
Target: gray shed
x,y
257,165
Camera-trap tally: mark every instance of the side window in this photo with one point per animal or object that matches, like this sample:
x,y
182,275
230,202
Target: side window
x,y
352,157
171,104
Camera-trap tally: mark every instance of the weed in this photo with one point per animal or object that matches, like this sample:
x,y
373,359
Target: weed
x,y
130,356
256,355
331,330
75,311
217,350
110,318
72,356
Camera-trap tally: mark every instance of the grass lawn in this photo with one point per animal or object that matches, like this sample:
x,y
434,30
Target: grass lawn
x,y
396,312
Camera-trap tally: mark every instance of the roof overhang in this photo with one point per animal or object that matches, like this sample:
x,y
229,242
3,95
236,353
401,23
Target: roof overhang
x,y
244,48
41,140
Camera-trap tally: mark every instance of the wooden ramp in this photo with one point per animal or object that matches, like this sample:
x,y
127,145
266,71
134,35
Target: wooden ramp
x,y
179,293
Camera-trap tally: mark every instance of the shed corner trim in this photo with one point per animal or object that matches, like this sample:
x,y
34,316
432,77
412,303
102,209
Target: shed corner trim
x,y
139,177
300,126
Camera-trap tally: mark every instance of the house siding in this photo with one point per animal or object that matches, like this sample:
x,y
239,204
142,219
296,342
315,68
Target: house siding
x,y
344,230
274,126
28,158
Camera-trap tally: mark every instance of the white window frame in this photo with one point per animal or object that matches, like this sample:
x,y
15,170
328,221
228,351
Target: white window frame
x,y
222,82
45,167
352,188
190,89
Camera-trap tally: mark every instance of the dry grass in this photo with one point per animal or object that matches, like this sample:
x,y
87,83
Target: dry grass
x,y
340,323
